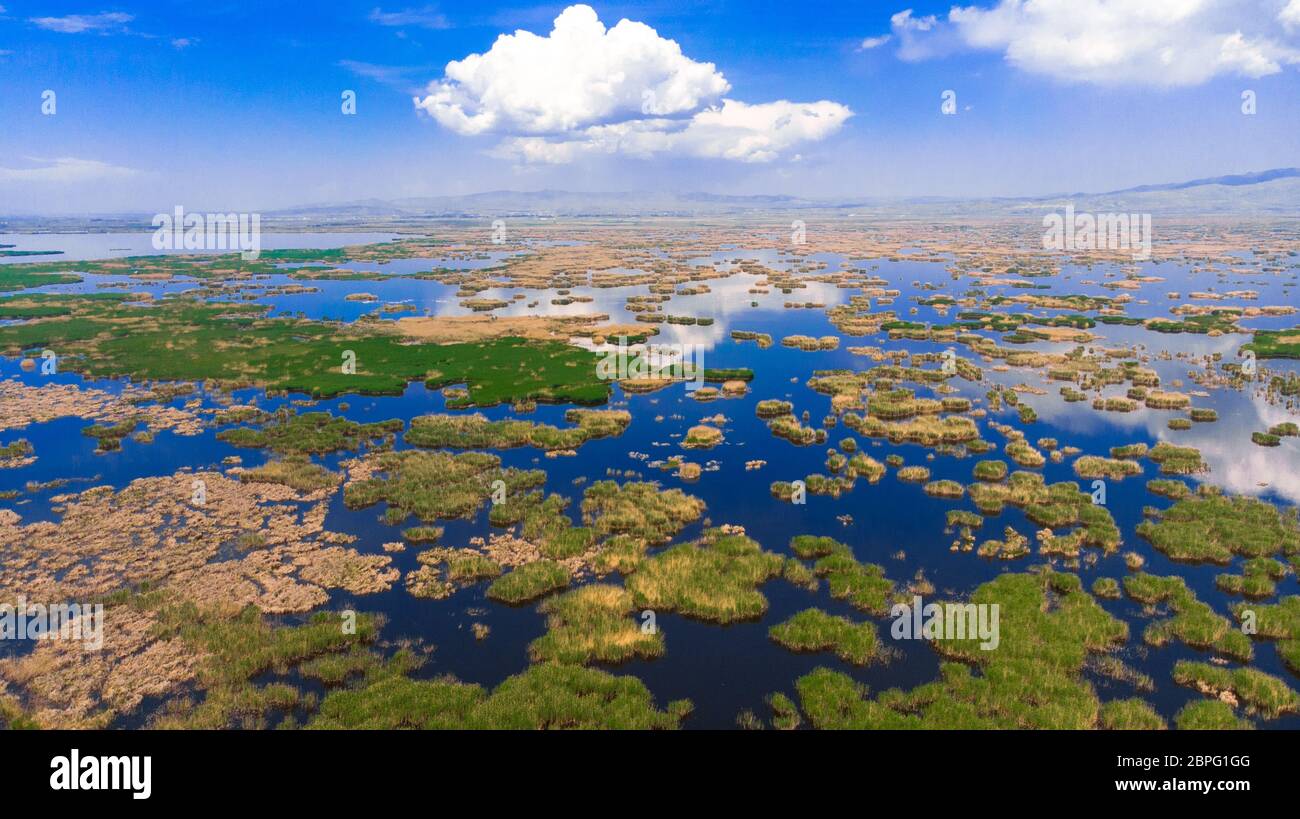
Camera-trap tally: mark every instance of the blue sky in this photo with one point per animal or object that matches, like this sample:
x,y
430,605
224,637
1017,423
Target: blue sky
x,y
238,105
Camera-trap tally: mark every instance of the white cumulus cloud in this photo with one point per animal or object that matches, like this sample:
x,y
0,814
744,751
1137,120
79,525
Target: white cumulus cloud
x,y
1113,42
1289,16
586,89
735,131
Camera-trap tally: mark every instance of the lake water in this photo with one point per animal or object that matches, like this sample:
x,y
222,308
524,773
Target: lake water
x,y
724,670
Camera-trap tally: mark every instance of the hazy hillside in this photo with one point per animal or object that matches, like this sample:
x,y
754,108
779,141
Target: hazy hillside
x,y
1268,192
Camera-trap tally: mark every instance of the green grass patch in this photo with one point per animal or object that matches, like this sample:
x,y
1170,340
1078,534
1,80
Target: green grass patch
x,y
1193,622
434,485
477,432
715,578
1276,343
1213,528
991,471
862,585
1168,488
1032,680
1106,588
808,547
1280,622
529,582
20,277
1094,466
185,339
1177,460
1209,715
815,630
593,623
311,432
1263,693
546,696
1131,715
22,448
642,509
109,436
294,471
237,648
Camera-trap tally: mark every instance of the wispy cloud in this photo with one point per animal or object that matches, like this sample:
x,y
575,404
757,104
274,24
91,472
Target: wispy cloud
x,y
65,170
869,43
105,22
424,17
401,77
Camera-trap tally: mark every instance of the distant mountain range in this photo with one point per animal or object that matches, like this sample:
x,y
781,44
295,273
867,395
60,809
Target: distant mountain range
x,y
1230,181
1274,192
553,203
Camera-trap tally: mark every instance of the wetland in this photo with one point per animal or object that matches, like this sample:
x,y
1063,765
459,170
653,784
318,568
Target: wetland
x,y
392,479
